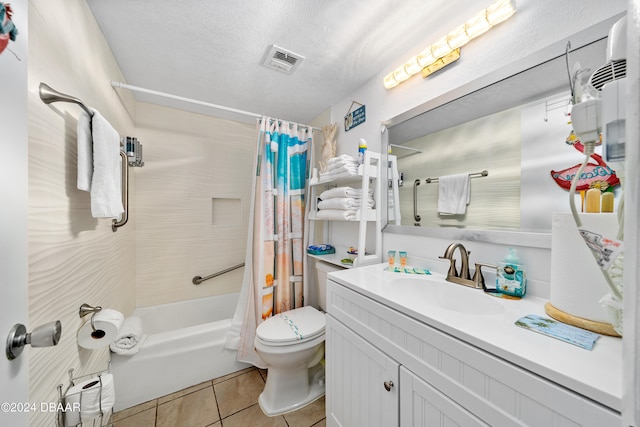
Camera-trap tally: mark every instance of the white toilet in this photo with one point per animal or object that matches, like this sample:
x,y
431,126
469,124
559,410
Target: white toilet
x,y
292,345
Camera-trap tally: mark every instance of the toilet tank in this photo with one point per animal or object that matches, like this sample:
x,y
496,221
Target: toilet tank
x,y
322,268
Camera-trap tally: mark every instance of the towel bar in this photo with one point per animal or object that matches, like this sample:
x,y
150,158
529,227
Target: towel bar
x,y
49,95
472,175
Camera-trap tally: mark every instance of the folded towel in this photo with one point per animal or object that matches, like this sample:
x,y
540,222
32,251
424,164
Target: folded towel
x,y
106,191
343,159
343,192
453,194
337,165
344,203
85,152
336,214
342,169
130,337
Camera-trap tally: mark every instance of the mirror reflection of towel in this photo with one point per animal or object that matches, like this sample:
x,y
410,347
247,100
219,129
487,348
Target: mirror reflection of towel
x,y
454,193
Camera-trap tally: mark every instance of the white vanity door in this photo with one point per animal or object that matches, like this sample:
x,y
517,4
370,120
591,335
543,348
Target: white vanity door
x,y
423,405
358,376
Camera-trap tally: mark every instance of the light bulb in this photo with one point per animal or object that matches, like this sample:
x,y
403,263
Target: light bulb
x,y
440,48
500,11
458,37
425,57
401,74
412,66
390,81
478,25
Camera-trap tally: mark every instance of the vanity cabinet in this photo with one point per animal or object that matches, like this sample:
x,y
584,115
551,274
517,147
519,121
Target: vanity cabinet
x,y
367,178
438,379
361,381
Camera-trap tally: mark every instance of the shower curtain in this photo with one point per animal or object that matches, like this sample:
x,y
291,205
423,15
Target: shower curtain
x,y
275,257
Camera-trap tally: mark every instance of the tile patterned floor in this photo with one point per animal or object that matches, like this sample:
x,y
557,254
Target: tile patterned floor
x,y
229,401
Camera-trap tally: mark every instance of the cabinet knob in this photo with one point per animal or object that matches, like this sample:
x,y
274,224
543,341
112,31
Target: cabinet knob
x,y
388,385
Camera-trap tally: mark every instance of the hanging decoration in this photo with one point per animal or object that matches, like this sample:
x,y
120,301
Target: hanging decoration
x,y
595,175
8,30
355,117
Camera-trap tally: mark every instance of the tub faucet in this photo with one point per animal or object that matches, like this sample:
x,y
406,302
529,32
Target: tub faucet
x,y
464,276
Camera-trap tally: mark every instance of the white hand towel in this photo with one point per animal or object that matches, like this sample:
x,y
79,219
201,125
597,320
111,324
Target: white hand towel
x,y
106,191
130,337
85,152
453,194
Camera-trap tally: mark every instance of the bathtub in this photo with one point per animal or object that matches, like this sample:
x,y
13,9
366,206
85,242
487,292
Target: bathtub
x,y
184,347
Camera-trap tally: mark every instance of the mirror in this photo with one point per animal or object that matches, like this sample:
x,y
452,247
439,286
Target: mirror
x,y
499,122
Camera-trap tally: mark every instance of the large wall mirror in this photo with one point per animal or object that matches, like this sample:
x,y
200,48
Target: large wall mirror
x,y
512,124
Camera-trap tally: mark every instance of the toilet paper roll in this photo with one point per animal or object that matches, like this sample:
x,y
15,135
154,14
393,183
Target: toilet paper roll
x,y
85,401
107,322
577,284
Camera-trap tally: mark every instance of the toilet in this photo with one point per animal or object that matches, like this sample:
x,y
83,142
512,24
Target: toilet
x,y
292,345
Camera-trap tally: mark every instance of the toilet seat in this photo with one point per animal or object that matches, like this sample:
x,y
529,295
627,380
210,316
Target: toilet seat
x,y
292,327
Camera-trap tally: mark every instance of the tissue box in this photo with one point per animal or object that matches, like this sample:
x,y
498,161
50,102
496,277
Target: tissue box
x,y
511,279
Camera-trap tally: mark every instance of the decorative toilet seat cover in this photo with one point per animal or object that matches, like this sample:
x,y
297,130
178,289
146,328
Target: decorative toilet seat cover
x,y
294,325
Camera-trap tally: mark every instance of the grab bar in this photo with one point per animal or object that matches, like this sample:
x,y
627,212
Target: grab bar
x,y
125,194
416,217
198,279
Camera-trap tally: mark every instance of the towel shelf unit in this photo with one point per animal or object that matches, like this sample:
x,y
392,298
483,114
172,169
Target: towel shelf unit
x,y
472,175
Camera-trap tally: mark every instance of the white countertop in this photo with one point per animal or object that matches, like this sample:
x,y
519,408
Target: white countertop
x,y
596,374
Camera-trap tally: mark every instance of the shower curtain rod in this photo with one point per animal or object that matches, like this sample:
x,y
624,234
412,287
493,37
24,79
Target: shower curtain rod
x,y
189,100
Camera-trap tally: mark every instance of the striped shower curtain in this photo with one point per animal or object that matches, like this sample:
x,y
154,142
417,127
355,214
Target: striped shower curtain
x,y
273,278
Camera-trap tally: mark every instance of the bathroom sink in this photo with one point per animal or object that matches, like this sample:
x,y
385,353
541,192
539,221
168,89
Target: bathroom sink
x,y
447,295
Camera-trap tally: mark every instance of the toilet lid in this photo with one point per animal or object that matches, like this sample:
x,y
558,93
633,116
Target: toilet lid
x,y
293,325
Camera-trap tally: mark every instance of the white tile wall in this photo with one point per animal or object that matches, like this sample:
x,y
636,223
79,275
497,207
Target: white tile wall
x,y
73,258
190,160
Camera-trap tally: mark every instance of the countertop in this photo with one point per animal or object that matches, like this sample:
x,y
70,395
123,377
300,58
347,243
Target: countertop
x,y
596,374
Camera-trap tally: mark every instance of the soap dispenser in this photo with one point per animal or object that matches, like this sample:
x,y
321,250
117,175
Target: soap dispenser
x,y
511,278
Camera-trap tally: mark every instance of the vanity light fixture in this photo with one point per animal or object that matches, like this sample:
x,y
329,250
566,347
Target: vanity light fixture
x,y
447,49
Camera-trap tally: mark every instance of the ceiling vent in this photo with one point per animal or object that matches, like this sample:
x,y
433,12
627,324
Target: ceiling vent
x,y
282,60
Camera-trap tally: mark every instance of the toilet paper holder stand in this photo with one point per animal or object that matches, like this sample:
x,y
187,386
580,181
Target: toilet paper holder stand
x,y
86,309
60,419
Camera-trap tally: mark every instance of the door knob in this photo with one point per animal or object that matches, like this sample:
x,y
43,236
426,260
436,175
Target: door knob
x,y
388,385
43,336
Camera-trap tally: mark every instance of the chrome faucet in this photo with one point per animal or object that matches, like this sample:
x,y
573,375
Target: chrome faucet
x,y
464,276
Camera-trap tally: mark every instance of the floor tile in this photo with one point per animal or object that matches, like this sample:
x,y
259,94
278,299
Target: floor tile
x,y
134,410
238,393
307,416
254,417
197,409
183,392
141,419
237,397
233,374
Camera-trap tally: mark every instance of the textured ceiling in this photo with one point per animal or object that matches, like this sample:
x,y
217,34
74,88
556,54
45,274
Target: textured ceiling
x,y
211,50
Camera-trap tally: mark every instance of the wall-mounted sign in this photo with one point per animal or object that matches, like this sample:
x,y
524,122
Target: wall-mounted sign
x,y
355,117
